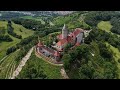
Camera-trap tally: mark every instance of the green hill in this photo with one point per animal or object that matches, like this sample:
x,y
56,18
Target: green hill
x,y
73,21
5,45
7,63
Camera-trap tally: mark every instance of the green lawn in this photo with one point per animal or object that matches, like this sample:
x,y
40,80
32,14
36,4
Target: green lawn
x,y
52,72
116,56
105,25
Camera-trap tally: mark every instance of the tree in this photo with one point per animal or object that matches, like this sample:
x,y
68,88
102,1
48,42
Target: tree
x,y
66,59
86,72
119,60
67,47
10,50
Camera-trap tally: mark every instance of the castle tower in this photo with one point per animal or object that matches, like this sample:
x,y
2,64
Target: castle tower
x,y
64,32
38,39
40,43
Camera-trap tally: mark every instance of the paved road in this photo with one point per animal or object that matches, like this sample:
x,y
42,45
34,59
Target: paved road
x,y
22,63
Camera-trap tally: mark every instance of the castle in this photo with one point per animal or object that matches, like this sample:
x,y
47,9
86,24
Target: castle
x,y
75,38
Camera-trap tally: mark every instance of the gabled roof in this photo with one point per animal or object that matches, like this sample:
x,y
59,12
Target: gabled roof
x,y
62,41
59,36
76,32
69,39
56,53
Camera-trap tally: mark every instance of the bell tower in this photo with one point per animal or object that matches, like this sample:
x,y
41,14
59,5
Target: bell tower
x,y
64,32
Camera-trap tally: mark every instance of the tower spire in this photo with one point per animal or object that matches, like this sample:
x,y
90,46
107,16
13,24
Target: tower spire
x,y
64,32
64,27
38,39
40,43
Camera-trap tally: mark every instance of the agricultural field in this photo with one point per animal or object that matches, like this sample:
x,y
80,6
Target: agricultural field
x,y
8,65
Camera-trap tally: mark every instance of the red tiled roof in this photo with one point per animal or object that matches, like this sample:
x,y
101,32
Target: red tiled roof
x,y
62,41
69,39
76,32
59,36
77,44
56,53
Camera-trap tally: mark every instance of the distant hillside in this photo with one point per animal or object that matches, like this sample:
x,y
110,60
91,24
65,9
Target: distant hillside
x,y
16,14
73,20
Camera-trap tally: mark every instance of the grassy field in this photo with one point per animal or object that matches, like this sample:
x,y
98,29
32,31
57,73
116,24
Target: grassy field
x,y
52,72
20,30
116,56
34,18
105,25
5,45
3,24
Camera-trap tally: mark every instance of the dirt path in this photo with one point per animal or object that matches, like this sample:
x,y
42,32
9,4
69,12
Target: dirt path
x,y
22,63
63,73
